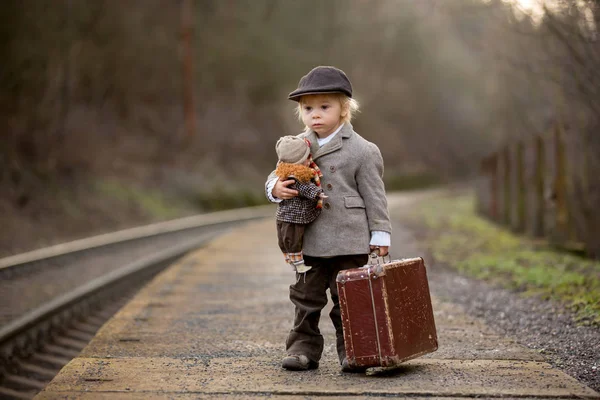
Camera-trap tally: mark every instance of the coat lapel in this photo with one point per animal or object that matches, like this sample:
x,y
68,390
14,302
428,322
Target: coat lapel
x,y
314,142
335,143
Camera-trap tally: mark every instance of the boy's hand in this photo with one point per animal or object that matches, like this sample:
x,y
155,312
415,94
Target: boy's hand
x,y
281,190
383,250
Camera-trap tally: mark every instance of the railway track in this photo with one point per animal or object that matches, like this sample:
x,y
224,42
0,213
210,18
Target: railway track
x,y
55,299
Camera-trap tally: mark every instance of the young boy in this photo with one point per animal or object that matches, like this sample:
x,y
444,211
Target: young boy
x,y
294,214
354,220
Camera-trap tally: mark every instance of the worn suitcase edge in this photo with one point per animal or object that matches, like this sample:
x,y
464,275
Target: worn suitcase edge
x,y
391,361
387,362
386,340
344,316
377,269
395,362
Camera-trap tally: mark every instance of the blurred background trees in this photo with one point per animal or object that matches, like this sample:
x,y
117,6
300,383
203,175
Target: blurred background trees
x,y
92,89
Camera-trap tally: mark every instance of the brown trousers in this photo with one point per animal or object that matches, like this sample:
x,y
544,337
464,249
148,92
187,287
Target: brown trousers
x,y
290,236
309,295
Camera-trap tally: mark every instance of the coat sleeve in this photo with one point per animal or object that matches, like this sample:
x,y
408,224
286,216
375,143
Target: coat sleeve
x,y
308,190
271,179
369,179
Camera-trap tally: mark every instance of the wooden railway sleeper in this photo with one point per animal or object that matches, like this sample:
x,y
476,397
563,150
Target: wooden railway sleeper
x,y
50,359
86,327
75,334
36,369
69,343
26,383
60,350
96,320
15,394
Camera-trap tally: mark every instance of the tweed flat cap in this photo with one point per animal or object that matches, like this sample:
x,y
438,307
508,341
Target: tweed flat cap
x,y
292,149
321,80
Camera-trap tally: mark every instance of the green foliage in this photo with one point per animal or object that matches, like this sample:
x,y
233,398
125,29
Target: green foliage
x,y
477,247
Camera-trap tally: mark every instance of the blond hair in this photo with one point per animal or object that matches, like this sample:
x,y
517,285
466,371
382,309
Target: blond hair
x,y
349,105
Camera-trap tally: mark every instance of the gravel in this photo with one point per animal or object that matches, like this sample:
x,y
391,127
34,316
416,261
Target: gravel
x,y
541,325
538,324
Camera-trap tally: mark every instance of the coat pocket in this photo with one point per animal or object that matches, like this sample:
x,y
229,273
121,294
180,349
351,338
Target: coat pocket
x,y
354,202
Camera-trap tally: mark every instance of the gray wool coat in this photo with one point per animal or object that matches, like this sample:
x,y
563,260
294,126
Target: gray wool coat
x,y
352,170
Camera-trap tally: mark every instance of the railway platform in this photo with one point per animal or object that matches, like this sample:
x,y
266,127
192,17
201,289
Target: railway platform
x,y
213,326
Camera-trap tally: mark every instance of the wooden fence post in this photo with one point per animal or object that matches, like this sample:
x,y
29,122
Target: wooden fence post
x,y
482,194
502,175
534,183
579,180
557,212
517,188
505,187
549,187
499,200
591,179
486,187
493,210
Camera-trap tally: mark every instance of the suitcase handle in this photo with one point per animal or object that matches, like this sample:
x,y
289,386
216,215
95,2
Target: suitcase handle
x,y
376,259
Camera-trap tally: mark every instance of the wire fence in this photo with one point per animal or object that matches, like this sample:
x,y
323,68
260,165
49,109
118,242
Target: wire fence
x,y
547,186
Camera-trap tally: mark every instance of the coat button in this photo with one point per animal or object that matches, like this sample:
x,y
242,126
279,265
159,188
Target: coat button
x,y
332,168
327,206
329,186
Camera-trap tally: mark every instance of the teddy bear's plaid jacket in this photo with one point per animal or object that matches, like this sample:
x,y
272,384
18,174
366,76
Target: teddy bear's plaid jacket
x,y
301,209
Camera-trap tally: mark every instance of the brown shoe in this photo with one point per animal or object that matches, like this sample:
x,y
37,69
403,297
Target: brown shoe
x,y
348,368
299,362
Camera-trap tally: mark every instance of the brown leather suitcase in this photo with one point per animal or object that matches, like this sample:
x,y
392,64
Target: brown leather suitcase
x,y
386,313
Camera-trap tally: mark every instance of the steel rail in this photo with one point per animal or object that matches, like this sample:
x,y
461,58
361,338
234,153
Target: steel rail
x,y
60,303
161,228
